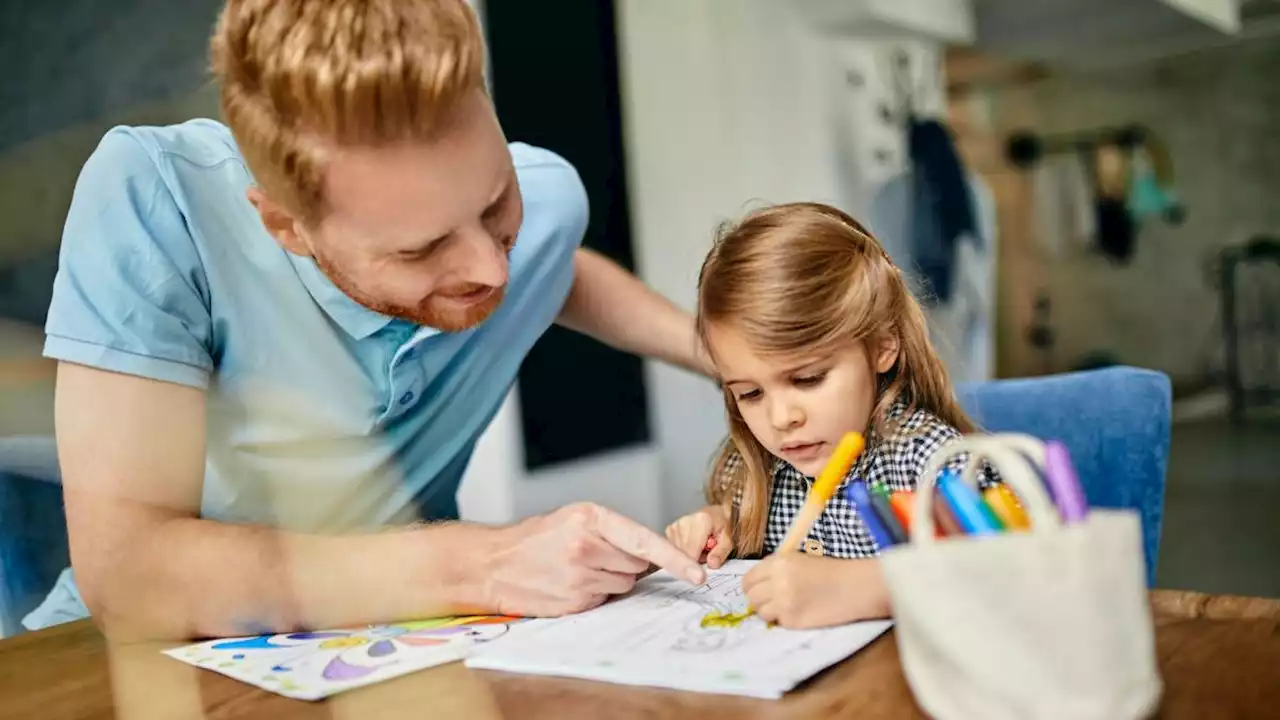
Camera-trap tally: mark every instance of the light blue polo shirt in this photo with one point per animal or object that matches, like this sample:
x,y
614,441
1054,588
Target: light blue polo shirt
x,y
322,415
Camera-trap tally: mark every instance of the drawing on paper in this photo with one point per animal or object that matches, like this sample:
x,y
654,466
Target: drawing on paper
x,y
723,587
315,664
668,634
721,595
720,619
714,632
702,641
698,639
363,652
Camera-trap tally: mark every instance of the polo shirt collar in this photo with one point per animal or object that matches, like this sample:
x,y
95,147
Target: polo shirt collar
x,y
357,320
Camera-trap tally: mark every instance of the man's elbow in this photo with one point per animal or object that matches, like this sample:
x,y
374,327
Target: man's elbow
x,y
120,588
103,588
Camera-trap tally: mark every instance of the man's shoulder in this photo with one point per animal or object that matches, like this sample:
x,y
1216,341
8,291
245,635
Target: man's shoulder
x,y
549,183
151,176
556,210
194,143
132,293
533,159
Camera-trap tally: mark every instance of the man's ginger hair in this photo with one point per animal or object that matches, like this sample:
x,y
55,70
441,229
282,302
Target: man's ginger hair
x,y
301,76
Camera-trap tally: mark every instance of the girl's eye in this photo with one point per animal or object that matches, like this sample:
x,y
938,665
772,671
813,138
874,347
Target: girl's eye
x,y
810,380
749,396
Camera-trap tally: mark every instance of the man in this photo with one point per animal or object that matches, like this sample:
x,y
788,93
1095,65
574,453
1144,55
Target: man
x,y
278,338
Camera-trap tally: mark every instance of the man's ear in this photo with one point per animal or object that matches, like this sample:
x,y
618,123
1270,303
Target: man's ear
x,y
282,226
886,351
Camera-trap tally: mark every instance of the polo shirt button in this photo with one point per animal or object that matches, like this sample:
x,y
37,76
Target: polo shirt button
x,y
813,547
406,398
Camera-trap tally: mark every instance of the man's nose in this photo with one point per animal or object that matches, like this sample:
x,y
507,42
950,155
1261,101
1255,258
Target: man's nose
x,y
481,260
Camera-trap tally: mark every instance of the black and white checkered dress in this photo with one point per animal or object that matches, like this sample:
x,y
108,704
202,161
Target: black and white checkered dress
x,y
896,462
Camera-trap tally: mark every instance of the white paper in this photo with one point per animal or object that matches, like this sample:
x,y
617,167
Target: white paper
x,y
654,637
315,665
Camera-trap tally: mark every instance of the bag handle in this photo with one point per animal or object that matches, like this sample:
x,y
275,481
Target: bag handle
x,y
1031,447
1014,456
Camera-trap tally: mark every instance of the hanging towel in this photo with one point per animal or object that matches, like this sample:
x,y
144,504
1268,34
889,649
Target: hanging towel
x,y
962,328
1064,204
942,205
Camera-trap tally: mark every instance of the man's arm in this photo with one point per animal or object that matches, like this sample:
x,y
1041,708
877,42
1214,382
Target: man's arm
x,y
613,306
132,454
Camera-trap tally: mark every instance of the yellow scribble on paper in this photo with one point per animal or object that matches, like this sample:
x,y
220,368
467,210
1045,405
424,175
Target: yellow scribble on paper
x,y
725,619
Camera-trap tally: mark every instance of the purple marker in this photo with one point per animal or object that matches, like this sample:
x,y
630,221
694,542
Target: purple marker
x,y
1063,484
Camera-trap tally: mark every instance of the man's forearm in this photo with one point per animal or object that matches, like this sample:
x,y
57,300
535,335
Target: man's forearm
x,y
199,578
613,306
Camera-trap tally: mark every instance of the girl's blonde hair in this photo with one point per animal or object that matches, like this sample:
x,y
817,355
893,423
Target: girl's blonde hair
x,y
806,277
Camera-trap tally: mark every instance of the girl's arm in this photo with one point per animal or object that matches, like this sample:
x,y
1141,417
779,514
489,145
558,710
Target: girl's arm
x,y
797,590
705,535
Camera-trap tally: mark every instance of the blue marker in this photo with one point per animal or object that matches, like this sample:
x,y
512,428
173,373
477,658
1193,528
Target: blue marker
x,y
973,515
858,495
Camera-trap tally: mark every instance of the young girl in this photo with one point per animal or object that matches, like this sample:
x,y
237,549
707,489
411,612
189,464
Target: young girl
x,y
813,334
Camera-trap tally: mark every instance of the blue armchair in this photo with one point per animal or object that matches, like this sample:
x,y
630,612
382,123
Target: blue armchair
x,y
33,530
1115,421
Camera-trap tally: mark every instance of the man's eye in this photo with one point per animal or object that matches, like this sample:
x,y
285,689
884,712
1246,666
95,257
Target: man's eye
x,y
420,253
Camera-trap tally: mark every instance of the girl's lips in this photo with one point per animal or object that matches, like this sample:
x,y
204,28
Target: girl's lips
x,y
802,451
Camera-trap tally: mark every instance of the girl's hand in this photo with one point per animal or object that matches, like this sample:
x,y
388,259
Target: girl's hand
x,y
797,591
704,535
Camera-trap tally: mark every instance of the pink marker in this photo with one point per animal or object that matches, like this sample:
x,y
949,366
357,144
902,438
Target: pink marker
x,y
1064,486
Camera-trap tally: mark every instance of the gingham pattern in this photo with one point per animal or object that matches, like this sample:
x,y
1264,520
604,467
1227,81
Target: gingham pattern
x,y
895,462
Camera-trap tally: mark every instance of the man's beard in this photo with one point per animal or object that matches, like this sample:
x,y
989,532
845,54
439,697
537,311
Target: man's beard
x,y
438,315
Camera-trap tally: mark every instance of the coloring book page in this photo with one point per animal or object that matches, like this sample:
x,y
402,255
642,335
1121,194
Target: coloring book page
x,y
666,633
315,665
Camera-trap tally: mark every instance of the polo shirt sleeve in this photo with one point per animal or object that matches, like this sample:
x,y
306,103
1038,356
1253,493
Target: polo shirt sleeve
x,y
573,208
130,295
555,198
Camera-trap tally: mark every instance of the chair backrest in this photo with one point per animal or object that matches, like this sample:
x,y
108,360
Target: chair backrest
x,y
1115,421
33,545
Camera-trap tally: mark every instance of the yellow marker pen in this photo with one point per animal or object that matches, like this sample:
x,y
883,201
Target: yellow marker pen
x,y
1004,503
823,488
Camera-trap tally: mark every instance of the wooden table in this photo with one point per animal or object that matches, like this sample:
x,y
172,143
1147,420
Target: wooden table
x,y
1219,657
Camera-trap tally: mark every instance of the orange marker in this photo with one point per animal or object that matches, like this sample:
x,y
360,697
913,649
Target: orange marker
x,y
903,503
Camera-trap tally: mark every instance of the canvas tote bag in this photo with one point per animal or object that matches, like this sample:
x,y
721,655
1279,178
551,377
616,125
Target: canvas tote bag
x,y
1051,622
